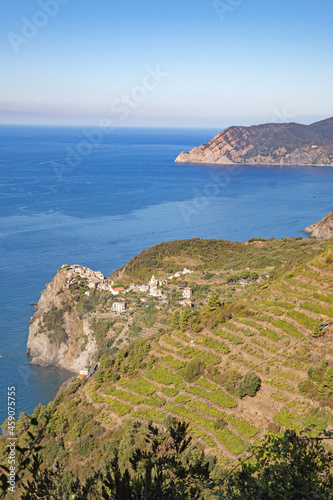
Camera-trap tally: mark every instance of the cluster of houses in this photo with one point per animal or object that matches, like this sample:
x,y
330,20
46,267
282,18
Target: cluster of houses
x,y
180,273
150,288
95,280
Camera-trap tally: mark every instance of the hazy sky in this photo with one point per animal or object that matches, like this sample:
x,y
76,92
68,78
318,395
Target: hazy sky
x,y
173,63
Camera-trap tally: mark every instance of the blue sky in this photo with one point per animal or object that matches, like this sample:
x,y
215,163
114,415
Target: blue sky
x,y
168,63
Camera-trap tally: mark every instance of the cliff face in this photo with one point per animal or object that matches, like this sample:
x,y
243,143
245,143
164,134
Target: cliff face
x,y
269,144
57,335
323,228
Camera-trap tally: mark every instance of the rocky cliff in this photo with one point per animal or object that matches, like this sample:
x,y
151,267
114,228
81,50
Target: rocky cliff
x,y
323,228
269,144
57,334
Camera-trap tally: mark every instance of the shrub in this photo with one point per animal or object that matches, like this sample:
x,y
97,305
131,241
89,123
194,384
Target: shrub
x,y
53,323
220,423
193,370
85,445
208,276
249,385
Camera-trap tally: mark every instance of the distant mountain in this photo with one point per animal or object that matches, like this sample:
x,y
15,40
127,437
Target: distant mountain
x,y
268,144
322,229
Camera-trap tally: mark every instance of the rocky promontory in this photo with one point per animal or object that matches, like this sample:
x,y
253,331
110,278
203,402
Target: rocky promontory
x,y
322,229
57,334
268,144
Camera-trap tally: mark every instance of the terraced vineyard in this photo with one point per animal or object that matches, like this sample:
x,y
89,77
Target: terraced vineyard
x,y
283,330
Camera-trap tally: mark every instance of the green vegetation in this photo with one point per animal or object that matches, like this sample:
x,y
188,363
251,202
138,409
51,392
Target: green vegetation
x,y
222,255
221,398
249,385
213,344
53,322
229,336
193,368
126,396
101,329
319,384
141,386
163,376
244,275
287,328
149,463
304,320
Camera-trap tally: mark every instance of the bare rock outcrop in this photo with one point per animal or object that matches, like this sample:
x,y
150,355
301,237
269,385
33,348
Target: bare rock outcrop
x,y
268,144
57,334
322,229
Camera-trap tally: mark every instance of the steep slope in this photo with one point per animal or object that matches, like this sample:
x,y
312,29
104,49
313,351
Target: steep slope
x,y
268,144
280,329
57,333
204,254
278,332
323,228
73,324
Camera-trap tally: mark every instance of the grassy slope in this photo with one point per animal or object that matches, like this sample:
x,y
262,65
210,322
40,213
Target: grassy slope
x,y
206,254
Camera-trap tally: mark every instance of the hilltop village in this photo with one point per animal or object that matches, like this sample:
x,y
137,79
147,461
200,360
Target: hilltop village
x,y
79,275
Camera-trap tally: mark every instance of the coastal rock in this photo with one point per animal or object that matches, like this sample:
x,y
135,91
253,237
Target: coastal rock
x,y
322,229
268,144
75,348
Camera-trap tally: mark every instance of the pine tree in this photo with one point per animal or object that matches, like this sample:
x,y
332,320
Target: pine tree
x,y
328,377
213,303
175,320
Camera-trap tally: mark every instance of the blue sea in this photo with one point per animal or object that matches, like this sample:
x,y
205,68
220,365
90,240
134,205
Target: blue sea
x,y
69,196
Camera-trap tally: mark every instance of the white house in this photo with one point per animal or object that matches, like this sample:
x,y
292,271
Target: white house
x,y
153,282
155,292
187,293
93,283
119,307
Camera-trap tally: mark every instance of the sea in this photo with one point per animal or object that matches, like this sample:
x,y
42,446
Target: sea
x,y
79,195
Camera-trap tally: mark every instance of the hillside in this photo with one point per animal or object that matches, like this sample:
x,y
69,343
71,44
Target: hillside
x,y
268,144
323,228
74,322
272,317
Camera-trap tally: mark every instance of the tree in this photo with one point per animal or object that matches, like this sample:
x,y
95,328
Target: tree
x,y
213,303
175,320
328,378
290,467
184,319
193,370
249,385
